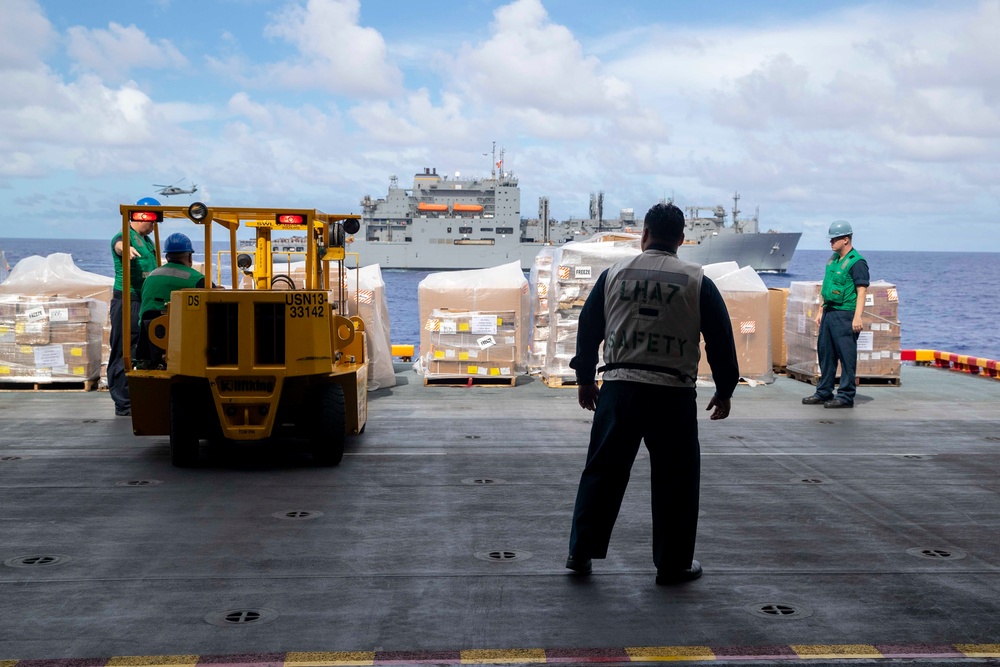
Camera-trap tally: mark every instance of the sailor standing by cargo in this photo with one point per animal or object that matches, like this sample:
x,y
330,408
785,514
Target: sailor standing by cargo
x,y
844,287
142,256
176,274
649,311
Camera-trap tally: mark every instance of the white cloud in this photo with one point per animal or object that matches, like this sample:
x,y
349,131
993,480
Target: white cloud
x,y
25,35
335,52
114,52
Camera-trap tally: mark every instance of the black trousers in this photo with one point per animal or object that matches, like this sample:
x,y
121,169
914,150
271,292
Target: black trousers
x,y
666,419
837,342
117,381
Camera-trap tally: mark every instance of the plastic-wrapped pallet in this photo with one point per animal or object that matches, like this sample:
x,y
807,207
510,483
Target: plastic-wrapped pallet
x,y
475,323
576,267
70,310
749,306
878,343
539,280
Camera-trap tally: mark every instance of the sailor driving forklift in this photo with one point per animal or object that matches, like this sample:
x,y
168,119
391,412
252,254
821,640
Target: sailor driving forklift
x,y
176,274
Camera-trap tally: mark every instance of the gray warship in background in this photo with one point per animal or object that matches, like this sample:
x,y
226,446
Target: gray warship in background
x,y
470,223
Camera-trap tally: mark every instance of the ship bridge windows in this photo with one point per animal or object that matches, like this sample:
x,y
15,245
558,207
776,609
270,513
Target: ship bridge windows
x,y
505,230
486,229
465,230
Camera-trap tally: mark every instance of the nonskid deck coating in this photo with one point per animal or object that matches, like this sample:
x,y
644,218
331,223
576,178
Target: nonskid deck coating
x,y
389,568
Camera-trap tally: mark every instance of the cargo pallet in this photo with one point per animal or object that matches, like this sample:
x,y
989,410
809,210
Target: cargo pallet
x,y
556,381
859,380
470,381
55,385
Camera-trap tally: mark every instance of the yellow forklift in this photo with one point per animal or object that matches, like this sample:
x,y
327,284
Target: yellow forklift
x,y
249,362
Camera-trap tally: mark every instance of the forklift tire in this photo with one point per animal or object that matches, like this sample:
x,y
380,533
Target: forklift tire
x,y
329,425
183,424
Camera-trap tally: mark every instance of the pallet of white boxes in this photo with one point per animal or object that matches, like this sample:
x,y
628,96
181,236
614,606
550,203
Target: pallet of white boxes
x,y
474,326
879,357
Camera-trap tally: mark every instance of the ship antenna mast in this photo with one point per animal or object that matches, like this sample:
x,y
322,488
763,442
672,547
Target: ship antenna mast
x,y
736,211
493,164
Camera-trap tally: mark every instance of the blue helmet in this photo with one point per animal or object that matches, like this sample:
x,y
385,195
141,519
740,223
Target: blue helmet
x,y
177,243
147,201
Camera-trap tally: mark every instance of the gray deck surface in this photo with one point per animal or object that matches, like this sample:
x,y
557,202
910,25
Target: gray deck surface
x,y
396,561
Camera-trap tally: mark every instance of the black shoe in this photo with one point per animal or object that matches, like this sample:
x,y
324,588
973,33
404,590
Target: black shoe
x,y
666,578
579,565
837,403
123,413
815,399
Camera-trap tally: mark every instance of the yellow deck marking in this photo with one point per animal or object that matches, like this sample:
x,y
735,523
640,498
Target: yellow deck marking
x,y
836,651
153,661
7,663
497,656
330,659
666,653
979,650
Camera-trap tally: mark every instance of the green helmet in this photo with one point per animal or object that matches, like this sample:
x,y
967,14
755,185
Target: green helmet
x,y
840,228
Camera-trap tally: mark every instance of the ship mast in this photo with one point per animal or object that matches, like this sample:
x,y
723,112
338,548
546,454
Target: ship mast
x,y
736,210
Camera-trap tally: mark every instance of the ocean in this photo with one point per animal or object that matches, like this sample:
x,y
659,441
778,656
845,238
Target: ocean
x,y
945,298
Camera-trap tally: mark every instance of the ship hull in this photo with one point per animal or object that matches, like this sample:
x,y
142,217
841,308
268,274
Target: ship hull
x,y
769,252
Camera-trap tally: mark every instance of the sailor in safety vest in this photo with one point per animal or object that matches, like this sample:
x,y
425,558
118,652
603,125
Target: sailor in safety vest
x,y
845,285
160,283
649,312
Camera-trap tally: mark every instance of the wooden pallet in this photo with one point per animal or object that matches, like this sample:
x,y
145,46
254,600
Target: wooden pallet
x,y
56,385
859,380
557,381
470,381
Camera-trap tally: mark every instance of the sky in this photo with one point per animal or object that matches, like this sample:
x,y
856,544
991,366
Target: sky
x,y
885,114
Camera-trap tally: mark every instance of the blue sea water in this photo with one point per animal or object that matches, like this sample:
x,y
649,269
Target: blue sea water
x,y
946,299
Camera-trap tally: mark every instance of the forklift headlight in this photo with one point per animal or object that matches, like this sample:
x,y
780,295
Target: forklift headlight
x,y
198,212
244,261
352,225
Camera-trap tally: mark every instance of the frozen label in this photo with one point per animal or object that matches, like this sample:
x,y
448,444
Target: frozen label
x,y
869,299
801,328
483,324
486,342
866,340
35,314
59,315
449,354
581,272
47,356
449,327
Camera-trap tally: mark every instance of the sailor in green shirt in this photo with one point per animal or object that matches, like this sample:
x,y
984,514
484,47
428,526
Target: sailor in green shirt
x,y
142,256
175,274
844,287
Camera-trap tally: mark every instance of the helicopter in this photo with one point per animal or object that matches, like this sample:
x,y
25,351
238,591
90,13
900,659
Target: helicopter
x,y
168,190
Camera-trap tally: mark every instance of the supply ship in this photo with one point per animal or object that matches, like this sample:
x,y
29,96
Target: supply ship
x,y
468,223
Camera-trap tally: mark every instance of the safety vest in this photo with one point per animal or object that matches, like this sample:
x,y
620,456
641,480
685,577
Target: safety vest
x,y
141,265
652,307
839,292
164,280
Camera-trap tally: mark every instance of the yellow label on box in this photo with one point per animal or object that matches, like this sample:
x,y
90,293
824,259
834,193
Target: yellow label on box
x,y
494,371
78,370
76,352
439,354
473,370
4,370
463,326
463,356
25,349
499,321
19,328
4,329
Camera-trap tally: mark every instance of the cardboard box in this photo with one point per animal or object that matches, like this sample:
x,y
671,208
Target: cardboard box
x,y
779,306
